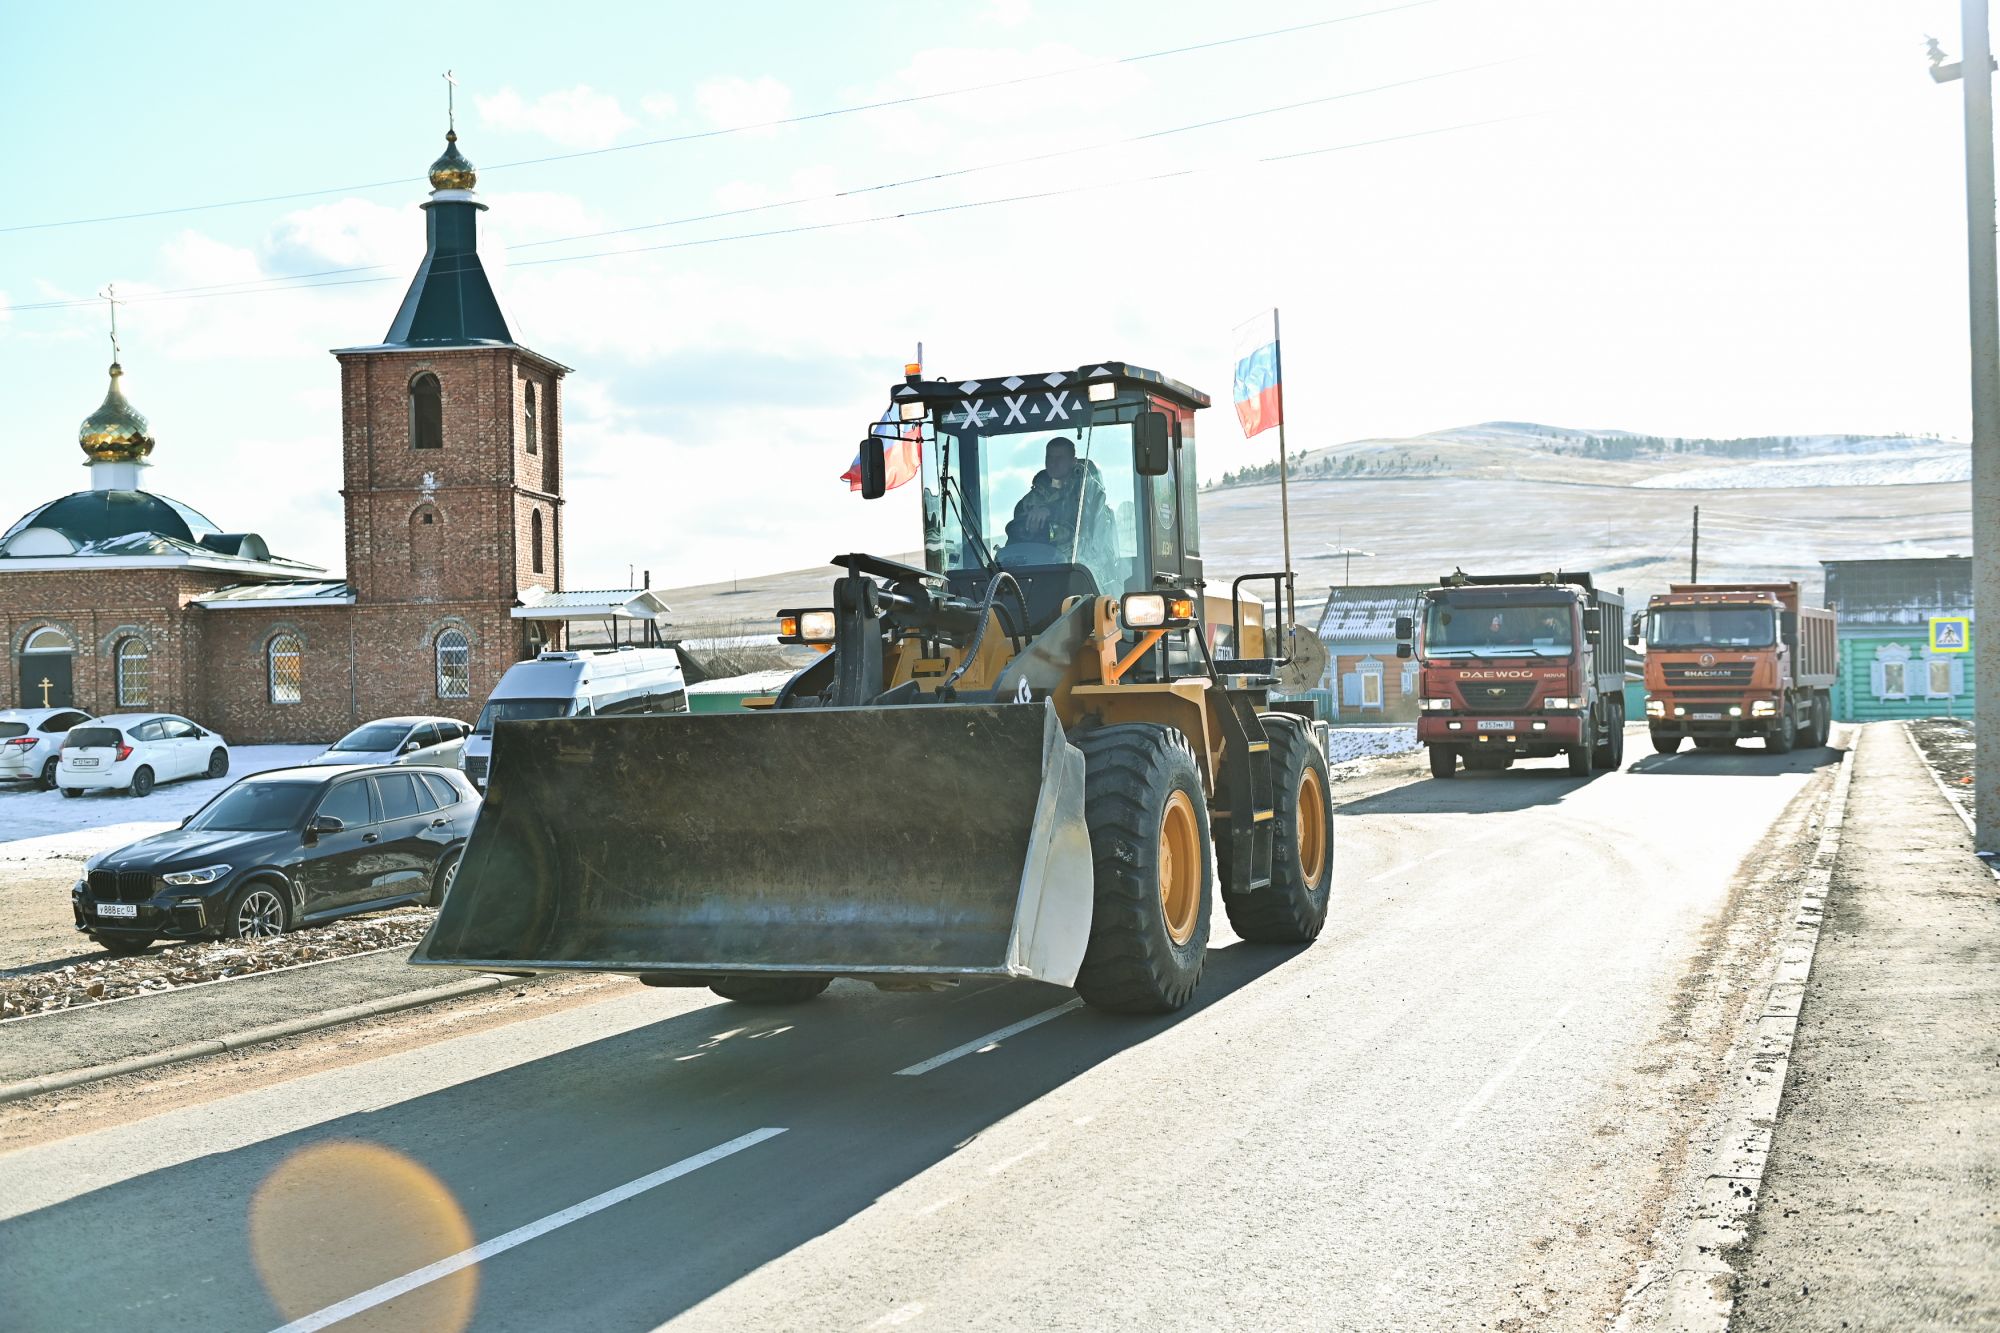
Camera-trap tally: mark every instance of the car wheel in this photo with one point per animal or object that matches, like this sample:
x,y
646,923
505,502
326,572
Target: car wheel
x,y
124,945
446,876
258,913
218,763
47,781
72,792
142,781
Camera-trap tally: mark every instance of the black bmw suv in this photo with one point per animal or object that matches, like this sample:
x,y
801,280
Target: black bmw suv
x,y
283,849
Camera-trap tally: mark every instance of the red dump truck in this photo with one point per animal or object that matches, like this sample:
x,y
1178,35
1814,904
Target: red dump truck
x,y
1729,660
1518,666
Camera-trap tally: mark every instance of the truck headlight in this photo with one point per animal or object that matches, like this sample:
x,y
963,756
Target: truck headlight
x,y
1680,712
1762,708
1656,708
1736,710
1434,705
205,875
1555,704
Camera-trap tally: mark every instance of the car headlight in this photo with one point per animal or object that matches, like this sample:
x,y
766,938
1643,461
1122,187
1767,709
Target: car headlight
x,y
1763,707
1561,703
1656,708
205,875
1434,705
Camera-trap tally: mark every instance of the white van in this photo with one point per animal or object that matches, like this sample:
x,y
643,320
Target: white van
x,y
596,682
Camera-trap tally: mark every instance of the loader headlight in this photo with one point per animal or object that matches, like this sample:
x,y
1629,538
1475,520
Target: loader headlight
x,y
1763,708
814,626
1656,708
1156,610
1103,392
911,411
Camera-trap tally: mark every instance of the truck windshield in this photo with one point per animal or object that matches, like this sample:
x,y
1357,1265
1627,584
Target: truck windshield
x,y
519,710
1711,627
1483,627
1032,496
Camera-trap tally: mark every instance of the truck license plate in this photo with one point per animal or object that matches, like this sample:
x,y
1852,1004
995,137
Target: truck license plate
x,y
1706,717
118,909
83,763
1496,726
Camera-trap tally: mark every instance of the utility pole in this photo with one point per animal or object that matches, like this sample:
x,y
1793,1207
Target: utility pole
x,y
1694,552
1976,70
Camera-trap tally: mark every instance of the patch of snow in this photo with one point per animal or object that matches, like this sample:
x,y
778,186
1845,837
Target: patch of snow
x,y
48,826
1904,467
1344,745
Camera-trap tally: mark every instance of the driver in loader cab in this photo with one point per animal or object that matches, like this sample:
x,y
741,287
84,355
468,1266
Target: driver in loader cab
x,y
1064,491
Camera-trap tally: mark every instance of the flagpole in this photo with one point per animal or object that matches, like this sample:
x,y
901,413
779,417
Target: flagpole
x,y
1284,473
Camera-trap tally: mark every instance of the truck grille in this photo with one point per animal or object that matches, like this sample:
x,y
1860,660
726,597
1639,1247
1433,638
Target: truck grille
x,y
475,769
1496,696
1716,677
120,886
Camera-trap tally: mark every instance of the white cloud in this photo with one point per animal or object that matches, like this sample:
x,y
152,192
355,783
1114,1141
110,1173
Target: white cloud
x,y
660,106
578,117
347,231
1009,13
732,101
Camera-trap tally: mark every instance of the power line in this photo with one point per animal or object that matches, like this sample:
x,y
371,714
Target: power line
x,y
775,123
964,206
250,284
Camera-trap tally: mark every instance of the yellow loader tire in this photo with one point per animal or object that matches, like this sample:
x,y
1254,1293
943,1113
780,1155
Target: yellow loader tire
x,y
1291,909
1148,819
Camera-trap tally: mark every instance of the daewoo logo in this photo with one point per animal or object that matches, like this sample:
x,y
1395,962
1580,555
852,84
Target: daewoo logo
x,y
1497,691
1496,675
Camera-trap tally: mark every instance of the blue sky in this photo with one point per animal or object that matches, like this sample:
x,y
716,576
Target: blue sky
x,y
1726,219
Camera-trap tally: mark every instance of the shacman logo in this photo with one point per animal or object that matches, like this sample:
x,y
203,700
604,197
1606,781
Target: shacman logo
x,y
1708,659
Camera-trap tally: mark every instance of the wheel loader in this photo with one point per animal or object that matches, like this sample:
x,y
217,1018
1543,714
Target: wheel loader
x,y
1046,753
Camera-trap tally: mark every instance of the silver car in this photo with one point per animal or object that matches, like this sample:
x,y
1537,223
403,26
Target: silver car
x,y
432,741
29,741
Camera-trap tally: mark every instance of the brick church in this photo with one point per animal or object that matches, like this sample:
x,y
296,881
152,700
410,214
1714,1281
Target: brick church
x,y
117,598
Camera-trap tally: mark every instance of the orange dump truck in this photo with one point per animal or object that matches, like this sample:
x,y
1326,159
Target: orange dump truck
x,y
1729,660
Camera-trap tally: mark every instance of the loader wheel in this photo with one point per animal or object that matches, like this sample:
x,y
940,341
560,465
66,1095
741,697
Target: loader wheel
x,y
770,990
1149,840
1444,761
1291,909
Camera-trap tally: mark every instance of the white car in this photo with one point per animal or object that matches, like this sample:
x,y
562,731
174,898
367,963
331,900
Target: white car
x,y
434,741
29,739
132,752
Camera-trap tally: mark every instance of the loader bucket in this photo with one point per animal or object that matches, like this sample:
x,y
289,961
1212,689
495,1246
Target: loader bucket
x,y
920,840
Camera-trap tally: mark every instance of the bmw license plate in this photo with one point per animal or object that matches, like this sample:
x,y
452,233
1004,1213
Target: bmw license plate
x,y
83,763
1496,726
118,909
1706,717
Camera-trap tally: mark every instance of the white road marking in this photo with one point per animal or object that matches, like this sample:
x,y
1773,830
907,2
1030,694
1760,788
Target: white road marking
x,y
1493,1085
991,1039
429,1273
1017,1158
902,1314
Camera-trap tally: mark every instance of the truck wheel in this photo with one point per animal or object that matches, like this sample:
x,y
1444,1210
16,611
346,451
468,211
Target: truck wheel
x,y
1784,734
1579,760
1291,909
1149,838
1611,750
1444,761
770,990
1823,717
1665,744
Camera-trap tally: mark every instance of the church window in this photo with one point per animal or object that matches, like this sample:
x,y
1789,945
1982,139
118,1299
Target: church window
x,y
531,420
135,673
535,539
285,656
48,639
454,665
426,412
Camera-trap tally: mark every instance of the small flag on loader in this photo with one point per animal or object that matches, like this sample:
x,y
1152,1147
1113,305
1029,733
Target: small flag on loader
x,y
1259,403
902,451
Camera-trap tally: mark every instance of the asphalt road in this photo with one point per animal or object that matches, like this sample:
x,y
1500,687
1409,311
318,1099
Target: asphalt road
x,y
1463,1106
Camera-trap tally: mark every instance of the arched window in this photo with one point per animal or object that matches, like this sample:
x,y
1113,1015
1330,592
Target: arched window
x,y
285,657
531,421
135,673
48,639
454,665
535,539
426,412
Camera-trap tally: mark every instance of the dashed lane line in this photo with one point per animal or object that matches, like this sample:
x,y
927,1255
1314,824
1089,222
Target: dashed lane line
x,y
992,1038
429,1273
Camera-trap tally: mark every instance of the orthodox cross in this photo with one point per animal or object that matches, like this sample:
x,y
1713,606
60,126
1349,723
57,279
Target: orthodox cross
x,y
450,106
110,295
46,685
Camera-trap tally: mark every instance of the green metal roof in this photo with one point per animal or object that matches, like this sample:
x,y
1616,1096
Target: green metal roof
x,y
450,302
95,515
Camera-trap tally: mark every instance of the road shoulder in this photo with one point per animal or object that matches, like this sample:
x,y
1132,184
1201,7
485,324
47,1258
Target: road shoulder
x,y
1877,1205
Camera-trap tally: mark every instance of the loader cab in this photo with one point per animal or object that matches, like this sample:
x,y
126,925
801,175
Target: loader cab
x,y
1000,487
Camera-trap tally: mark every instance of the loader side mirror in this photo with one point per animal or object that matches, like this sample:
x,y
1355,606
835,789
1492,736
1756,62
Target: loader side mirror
x,y
874,469
1152,452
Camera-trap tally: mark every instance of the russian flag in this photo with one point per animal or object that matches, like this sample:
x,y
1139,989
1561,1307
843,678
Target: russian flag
x,y
1258,396
902,451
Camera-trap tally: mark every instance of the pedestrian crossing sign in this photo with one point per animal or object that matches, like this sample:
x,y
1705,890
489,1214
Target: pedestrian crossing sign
x,y
1951,634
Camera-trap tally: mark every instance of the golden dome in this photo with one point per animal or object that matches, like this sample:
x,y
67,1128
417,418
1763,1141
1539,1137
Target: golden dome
x,y
452,171
115,432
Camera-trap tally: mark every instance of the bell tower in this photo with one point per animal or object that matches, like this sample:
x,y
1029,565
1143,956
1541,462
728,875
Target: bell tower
x,y
452,435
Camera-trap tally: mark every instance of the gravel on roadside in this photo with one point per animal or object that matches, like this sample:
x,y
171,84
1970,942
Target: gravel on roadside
x,y
1946,744
176,965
